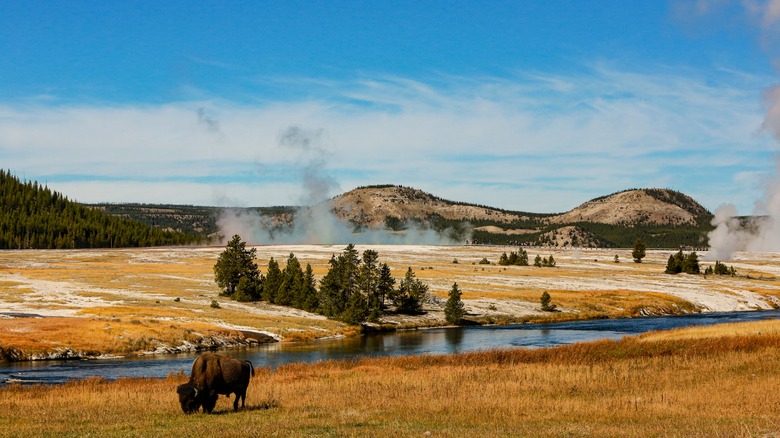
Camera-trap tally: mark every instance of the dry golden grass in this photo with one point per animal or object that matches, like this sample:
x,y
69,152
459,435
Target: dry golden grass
x,y
95,336
699,383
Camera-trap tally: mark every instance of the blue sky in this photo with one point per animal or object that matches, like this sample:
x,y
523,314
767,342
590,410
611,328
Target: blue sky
x,y
525,105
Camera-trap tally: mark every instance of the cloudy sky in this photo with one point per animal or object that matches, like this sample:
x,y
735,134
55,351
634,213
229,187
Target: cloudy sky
x,y
525,105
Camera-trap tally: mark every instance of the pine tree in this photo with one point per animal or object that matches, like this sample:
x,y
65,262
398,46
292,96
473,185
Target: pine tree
x,y
309,297
356,311
454,309
340,283
235,263
386,286
522,257
369,283
638,253
411,294
291,284
545,302
690,264
273,280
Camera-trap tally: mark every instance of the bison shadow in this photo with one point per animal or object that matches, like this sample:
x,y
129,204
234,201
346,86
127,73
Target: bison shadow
x,y
271,404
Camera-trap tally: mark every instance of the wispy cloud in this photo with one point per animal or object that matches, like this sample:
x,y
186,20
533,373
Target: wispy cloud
x,y
535,141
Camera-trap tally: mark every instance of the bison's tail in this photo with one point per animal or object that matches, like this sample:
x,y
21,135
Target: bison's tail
x,y
251,368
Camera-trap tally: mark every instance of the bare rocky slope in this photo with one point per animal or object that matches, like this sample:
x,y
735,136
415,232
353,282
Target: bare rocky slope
x,y
645,206
371,206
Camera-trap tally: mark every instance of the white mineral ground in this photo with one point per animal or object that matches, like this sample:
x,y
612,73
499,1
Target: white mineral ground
x,y
489,287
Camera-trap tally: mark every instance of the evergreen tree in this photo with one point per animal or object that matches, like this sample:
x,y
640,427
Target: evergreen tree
x,y
674,264
454,309
522,257
386,286
369,283
410,295
538,261
340,283
680,262
690,264
308,296
356,311
235,263
638,253
291,284
273,280
545,302
722,269
247,290
503,260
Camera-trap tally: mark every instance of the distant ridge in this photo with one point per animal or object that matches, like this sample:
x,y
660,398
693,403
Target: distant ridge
x,y
662,218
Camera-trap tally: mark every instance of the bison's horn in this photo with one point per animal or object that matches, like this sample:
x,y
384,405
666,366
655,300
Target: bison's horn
x,y
196,392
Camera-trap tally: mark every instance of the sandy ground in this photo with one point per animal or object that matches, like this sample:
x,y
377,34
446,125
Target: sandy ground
x,y
65,283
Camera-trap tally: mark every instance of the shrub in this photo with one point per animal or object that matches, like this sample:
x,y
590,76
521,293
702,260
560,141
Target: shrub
x,y
545,301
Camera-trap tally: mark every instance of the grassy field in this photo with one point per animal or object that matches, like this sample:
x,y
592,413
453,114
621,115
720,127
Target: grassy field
x,y
711,381
125,300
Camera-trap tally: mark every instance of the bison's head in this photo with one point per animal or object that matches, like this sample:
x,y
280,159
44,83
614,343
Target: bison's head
x,y
188,397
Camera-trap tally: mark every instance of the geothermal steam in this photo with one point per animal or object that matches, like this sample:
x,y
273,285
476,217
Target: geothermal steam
x,y
762,232
314,222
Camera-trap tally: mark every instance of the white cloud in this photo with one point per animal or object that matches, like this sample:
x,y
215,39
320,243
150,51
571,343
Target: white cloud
x,y
535,142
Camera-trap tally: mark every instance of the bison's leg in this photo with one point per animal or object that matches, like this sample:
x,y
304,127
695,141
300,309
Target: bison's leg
x,y
209,403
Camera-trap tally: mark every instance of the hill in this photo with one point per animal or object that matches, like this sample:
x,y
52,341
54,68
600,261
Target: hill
x,y
380,206
661,218
636,208
35,217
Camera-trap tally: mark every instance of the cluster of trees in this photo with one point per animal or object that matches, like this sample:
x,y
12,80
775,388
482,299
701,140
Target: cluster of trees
x,y
540,262
519,258
680,262
355,289
34,217
720,269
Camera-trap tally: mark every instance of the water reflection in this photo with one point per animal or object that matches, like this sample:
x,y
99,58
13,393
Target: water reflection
x,y
433,341
454,338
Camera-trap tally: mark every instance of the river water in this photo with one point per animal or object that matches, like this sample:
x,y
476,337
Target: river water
x,y
429,341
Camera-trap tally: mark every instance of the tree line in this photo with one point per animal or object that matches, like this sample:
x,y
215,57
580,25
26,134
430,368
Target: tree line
x,y
357,287
33,216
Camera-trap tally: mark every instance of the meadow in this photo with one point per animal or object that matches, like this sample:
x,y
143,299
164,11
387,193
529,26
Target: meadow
x,y
124,301
707,381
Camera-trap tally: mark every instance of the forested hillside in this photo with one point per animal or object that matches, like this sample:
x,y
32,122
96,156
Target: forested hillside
x,y
35,217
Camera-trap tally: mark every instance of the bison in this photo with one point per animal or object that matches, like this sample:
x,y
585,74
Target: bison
x,y
211,375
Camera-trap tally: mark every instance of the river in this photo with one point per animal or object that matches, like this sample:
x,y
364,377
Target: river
x,y
429,341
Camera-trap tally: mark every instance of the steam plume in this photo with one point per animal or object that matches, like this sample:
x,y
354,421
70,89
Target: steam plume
x,y
314,222
762,233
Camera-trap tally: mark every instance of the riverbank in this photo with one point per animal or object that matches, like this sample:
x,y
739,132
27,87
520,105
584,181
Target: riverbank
x,y
707,381
88,303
